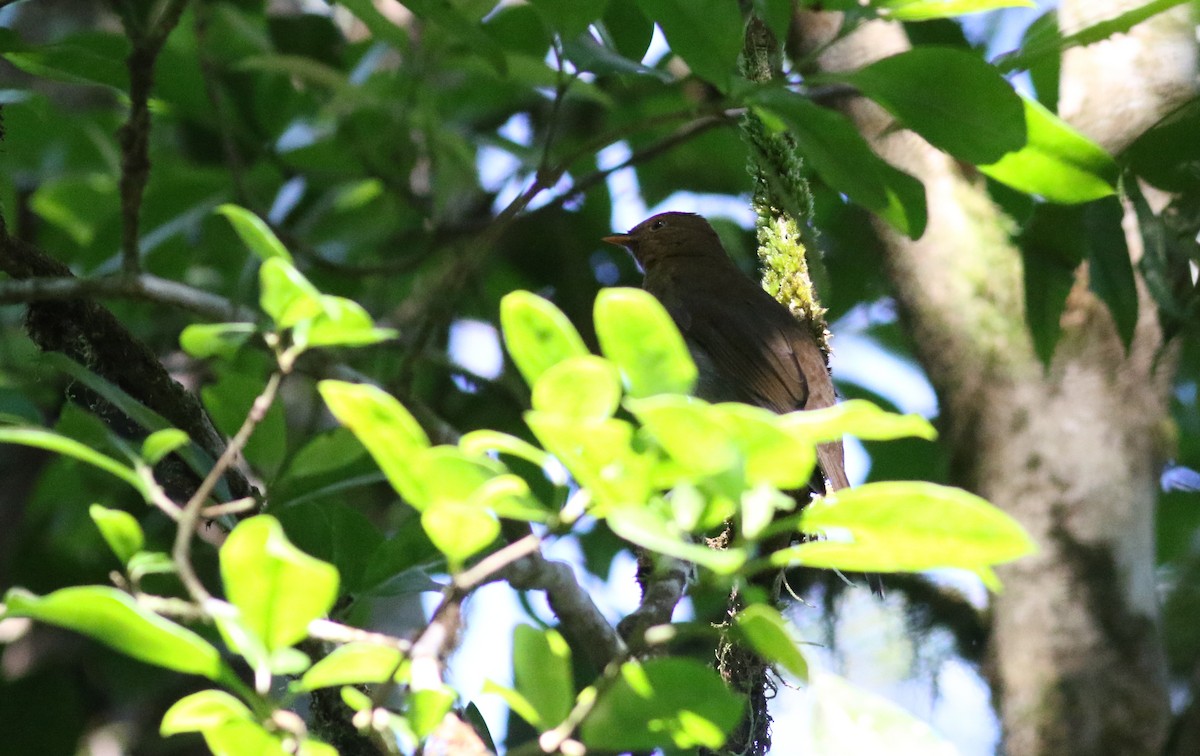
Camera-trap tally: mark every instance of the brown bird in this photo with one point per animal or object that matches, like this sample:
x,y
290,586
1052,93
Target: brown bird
x,y
747,346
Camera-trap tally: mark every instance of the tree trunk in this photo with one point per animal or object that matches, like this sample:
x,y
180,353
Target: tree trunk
x,y
1072,451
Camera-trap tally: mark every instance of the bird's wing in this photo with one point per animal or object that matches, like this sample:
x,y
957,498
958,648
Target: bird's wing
x,y
769,362
779,366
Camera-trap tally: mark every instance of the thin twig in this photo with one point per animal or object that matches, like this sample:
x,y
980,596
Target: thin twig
x,y
496,561
181,553
144,287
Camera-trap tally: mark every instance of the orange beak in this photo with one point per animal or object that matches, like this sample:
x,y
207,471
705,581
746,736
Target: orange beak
x,y
621,240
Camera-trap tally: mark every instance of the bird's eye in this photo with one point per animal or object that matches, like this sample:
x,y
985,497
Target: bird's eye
x,y
657,224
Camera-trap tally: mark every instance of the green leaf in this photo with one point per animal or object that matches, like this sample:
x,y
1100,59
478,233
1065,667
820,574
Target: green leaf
x,y
460,531
203,711
637,333
43,439
843,159
231,399
278,588
766,630
707,34
542,674
688,429
243,738
469,33
121,531
662,702
427,708
341,322
115,619
599,455
449,475
926,10
353,664
287,296
223,340
649,529
516,702
1053,244
856,417
569,18
479,442
772,455
387,430
1166,155
906,526
956,101
1056,162
584,388
628,29
537,334
255,233
1110,271
161,443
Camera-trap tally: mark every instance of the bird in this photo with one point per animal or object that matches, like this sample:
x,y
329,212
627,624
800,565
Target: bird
x,y
747,346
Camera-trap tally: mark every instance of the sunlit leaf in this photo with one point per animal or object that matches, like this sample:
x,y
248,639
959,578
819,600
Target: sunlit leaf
x,y
586,388
537,334
121,531
278,588
637,334
115,619
766,630
388,431
255,233
1056,162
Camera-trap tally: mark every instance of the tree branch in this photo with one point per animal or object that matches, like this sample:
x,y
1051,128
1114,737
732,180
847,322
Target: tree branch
x,y
144,287
134,136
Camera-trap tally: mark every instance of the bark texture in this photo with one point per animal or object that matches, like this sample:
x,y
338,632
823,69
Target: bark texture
x,y
1072,451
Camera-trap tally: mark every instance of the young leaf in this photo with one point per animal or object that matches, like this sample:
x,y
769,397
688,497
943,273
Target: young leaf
x,y
223,340
278,588
342,322
121,531
287,296
115,619
352,664
202,711
537,334
161,443
858,418
585,388
460,531
637,333
391,435
906,526
255,233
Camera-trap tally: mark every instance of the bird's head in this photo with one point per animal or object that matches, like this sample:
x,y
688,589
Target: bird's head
x,y
669,235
